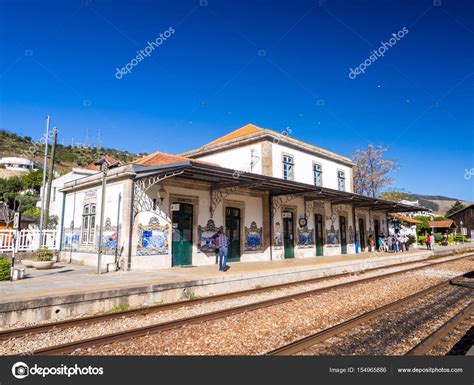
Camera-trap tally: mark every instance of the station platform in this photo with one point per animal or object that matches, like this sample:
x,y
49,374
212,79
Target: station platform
x,y
70,290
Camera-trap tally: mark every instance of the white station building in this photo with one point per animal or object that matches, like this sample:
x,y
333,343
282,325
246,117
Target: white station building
x,y
276,197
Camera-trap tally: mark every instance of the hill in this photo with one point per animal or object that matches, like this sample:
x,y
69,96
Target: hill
x,y
12,144
439,204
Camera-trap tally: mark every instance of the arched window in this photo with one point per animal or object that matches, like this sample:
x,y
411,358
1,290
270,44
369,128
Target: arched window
x,y
88,224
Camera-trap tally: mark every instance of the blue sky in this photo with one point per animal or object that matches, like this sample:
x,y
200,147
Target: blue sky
x,y
276,64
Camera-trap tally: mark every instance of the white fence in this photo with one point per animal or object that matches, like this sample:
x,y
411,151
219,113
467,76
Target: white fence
x,y
28,240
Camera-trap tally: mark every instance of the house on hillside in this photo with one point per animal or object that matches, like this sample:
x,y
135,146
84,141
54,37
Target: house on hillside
x,y
275,197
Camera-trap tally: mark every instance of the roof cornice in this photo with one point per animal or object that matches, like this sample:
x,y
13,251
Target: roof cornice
x,y
276,137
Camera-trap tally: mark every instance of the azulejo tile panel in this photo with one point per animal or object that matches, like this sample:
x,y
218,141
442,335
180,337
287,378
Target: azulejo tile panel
x,y
153,238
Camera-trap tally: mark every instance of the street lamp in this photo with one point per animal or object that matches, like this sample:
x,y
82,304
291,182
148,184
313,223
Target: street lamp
x,y
462,233
104,168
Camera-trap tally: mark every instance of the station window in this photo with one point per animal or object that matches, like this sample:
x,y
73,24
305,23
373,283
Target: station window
x,y
288,167
317,174
341,181
88,224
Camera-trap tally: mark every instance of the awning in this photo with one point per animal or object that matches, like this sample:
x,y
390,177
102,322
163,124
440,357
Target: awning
x,y
223,178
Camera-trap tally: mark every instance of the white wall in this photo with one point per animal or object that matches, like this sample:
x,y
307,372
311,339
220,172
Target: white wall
x,y
238,158
303,167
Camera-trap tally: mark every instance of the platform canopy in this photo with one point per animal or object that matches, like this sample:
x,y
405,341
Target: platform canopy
x,y
220,178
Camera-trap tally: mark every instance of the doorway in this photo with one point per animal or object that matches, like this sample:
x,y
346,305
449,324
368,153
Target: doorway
x,y
343,227
318,220
376,231
288,236
232,226
182,238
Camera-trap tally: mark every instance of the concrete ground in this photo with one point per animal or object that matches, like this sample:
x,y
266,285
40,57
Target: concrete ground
x,y
76,289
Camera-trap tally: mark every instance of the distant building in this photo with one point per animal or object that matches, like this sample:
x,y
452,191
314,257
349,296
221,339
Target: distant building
x,y
424,213
466,216
14,163
402,224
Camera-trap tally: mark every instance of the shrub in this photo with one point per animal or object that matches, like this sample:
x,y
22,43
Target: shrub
x,y
438,237
460,238
422,239
43,254
411,239
5,266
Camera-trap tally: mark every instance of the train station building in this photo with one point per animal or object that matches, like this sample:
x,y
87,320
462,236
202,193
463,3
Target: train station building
x,y
275,197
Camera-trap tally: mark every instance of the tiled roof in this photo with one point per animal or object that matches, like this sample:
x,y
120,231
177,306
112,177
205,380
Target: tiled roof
x,y
443,224
406,219
111,162
242,131
160,158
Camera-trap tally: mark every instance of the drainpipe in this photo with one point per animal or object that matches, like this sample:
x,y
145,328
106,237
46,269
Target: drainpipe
x,y
271,225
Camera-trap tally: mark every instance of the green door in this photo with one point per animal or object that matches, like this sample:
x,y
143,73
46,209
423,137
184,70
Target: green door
x,y
318,220
361,234
342,223
182,241
232,228
288,238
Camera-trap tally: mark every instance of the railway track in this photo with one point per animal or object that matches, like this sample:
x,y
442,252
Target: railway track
x,y
160,327
309,342
464,319
41,328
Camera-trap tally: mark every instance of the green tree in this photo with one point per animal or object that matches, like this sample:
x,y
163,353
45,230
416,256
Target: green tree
x,y
455,207
33,180
424,226
394,196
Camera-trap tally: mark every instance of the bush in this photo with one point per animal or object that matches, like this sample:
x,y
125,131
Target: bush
x,y
422,239
411,239
5,266
460,238
438,237
43,254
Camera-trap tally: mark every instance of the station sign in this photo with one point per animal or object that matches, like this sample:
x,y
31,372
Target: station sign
x,y
175,207
286,214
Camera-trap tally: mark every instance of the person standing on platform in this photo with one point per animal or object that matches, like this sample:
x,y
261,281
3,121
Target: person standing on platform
x,y
432,241
223,244
428,242
215,246
380,242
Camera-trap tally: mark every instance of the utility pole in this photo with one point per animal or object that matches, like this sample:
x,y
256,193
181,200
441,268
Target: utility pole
x,y
50,177
43,186
105,169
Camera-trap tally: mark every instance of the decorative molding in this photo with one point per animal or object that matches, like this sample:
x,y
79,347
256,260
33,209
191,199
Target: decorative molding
x,y
280,200
141,199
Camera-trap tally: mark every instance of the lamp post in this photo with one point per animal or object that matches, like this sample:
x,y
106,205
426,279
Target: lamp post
x,y
104,168
462,233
